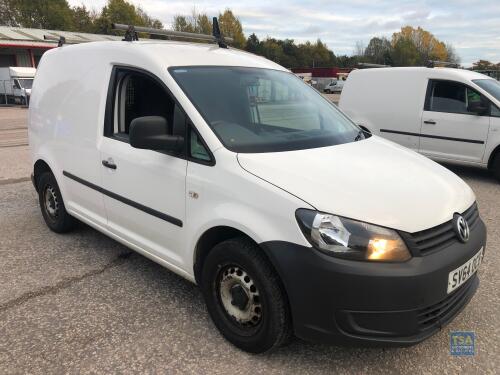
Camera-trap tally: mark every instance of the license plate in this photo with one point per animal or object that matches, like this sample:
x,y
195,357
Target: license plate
x,y
463,273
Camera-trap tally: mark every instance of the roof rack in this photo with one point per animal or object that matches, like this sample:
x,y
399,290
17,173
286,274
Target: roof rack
x,y
131,33
370,65
434,63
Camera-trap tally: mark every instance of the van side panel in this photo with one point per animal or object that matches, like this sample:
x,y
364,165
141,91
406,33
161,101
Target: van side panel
x,y
65,114
386,101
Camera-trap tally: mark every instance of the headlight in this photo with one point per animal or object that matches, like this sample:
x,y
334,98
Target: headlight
x,y
351,239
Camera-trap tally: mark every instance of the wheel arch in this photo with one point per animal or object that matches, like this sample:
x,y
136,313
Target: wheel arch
x,y
493,155
215,235
39,168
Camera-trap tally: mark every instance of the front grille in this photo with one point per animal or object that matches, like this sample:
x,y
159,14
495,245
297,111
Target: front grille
x,y
441,236
442,311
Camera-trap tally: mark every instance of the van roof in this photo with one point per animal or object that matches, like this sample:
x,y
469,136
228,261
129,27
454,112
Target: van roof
x,y
443,73
175,53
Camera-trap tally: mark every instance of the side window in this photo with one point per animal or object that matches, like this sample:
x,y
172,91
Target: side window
x,y
453,97
448,97
16,84
495,112
137,95
197,149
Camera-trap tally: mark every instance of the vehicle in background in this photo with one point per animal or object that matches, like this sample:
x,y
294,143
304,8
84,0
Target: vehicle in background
x,y
334,86
449,115
15,85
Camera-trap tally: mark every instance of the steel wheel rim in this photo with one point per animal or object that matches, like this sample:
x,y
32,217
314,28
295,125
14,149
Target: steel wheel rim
x,y
239,296
51,202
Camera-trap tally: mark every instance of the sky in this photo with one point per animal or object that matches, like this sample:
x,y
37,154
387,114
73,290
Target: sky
x,y
471,26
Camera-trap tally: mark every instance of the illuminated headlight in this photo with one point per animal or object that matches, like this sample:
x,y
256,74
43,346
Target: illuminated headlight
x,y
351,239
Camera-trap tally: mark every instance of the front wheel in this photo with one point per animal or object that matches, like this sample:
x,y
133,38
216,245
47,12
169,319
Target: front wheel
x,y
495,167
244,296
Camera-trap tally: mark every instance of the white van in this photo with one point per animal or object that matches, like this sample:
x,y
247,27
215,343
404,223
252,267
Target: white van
x,y
227,169
449,115
15,85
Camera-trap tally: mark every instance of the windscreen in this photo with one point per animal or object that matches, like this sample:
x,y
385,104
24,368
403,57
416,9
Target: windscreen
x,y
26,83
264,110
489,85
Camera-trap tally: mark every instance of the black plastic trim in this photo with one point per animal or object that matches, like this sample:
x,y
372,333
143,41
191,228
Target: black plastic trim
x,y
432,136
148,210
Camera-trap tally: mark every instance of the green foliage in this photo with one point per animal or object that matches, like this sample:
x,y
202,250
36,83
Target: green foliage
x,y
231,26
121,11
58,15
409,46
287,53
43,14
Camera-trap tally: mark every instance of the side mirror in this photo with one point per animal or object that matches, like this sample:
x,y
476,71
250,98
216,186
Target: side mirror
x,y
479,108
151,133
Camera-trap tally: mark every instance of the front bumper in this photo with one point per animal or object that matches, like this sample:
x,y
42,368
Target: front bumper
x,y
341,301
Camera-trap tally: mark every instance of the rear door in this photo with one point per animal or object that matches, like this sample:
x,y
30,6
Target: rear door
x,y
144,190
449,129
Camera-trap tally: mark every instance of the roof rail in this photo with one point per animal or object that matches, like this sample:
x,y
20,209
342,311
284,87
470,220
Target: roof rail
x,y
434,63
215,37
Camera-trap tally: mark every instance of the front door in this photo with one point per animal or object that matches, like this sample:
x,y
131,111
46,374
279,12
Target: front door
x,y
450,130
144,190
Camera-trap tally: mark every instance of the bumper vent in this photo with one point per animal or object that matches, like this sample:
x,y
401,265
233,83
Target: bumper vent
x,y
441,312
441,236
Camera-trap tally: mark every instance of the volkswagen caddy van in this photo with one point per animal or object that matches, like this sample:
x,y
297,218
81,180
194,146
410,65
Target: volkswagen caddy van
x,y
449,115
228,170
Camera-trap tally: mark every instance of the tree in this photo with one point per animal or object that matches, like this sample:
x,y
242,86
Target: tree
x,y
378,51
230,26
405,53
83,19
197,23
41,14
484,65
120,11
426,45
253,44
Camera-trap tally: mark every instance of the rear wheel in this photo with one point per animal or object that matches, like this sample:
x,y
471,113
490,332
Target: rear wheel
x,y
244,296
51,203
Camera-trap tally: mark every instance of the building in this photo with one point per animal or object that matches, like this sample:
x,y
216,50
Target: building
x,y
24,47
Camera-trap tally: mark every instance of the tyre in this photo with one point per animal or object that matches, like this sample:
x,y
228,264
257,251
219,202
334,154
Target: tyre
x,y
51,203
245,297
495,166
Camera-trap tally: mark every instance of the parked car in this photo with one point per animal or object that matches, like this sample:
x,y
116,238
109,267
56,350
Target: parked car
x,y
15,85
334,86
227,169
449,115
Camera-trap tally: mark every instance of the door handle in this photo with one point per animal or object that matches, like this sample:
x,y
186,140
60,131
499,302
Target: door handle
x,y
109,164
430,122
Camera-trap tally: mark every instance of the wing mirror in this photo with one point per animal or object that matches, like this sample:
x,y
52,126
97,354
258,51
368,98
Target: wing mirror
x,y
151,133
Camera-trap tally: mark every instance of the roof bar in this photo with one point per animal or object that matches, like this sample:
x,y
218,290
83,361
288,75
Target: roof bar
x,y
370,65
434,63
62,40
177,34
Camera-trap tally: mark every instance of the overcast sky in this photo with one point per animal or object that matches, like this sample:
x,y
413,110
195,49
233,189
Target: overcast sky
x,y
472,26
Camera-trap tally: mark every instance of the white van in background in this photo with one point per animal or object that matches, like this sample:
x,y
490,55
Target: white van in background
x,y
15,85
449,115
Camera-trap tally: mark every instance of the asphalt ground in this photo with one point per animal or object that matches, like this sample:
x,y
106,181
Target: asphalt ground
x,y
83,303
